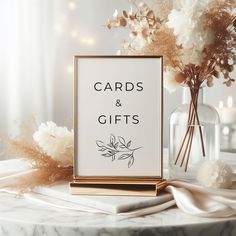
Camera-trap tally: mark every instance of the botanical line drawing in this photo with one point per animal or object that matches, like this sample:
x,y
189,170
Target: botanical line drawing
x,y
118,149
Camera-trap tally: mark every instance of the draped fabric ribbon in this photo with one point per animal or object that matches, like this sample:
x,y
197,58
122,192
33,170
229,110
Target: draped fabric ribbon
x,y
189,197
204,202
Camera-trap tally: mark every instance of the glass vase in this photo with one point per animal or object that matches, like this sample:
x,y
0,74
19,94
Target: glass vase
x,y
194,135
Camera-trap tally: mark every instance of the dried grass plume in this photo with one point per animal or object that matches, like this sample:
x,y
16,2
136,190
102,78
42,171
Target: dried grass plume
x,y
47,171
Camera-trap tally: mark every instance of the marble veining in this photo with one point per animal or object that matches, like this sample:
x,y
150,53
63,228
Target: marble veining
x,y
22,217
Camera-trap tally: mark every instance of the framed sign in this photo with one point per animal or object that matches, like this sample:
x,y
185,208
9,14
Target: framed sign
x,y
118,109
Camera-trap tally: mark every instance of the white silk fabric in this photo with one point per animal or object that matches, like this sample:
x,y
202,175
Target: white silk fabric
x,y
189,197
204,202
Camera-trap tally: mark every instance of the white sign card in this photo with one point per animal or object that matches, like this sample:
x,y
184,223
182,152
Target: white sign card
x,y
118,117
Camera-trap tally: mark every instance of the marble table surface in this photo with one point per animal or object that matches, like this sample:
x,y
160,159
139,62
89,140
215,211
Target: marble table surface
x,y
22,217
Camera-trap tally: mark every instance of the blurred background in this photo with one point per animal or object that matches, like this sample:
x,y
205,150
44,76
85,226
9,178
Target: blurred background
x,y
38,41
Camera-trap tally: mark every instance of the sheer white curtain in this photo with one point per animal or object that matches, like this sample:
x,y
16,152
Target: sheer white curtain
x,y
26,61
37,43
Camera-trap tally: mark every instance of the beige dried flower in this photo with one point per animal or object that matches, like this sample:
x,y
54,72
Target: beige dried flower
x,y
180,77
45,169
207,44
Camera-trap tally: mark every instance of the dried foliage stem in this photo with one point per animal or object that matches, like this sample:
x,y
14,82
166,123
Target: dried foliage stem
x,y
193,120
47,171
195,107
198,42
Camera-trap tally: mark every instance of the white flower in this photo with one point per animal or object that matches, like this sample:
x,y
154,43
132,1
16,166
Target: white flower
x,y
115,14
215,174
188,24
169,80
192,56
57,142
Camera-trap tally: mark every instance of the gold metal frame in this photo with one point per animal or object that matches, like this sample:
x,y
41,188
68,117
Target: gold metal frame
x,y
111,179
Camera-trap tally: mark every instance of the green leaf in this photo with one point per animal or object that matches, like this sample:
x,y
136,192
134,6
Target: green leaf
x,y
113,158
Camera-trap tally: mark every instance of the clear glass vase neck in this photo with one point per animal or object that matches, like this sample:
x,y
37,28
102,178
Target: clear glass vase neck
x,y
186,95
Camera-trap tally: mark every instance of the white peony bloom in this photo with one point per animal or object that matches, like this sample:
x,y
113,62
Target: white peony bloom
x,y
215,174
188,24
57,142
169,80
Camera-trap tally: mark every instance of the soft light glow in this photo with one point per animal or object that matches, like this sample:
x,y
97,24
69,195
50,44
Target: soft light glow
x,y
83,39
58,28
221,104
87,40
91,41
71,5
64,17
70,69
73,34
230,102
226,130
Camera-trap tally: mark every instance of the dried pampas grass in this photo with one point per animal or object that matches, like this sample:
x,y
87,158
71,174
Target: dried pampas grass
x,y
198,43
165,45
45,170
162,8
176,32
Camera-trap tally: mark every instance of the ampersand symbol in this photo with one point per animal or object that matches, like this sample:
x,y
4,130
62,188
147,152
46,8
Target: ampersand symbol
x,y
118,103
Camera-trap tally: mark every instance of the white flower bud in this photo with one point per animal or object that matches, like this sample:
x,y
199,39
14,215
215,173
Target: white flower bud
x,y
215,174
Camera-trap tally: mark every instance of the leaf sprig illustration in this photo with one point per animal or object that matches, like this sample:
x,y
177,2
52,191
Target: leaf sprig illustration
x,y
117,149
